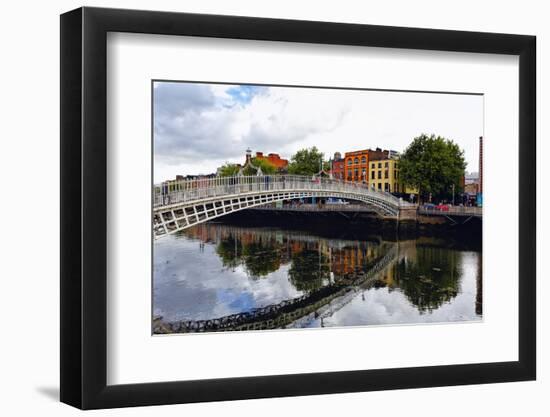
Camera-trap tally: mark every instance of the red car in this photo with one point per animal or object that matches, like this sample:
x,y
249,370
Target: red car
x,y
442,207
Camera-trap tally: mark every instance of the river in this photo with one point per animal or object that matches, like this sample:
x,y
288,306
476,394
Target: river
x,y
216,277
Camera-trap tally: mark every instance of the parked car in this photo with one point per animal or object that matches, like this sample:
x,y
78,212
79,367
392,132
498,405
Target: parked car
x,y
442,207
428,206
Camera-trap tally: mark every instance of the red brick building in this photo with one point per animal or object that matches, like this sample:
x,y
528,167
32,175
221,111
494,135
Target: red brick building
x,y
337,166
356,163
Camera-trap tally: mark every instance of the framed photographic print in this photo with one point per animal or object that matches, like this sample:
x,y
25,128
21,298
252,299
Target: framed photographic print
x,y
258,207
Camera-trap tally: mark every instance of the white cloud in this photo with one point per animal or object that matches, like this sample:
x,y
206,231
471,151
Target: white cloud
x,y
200,126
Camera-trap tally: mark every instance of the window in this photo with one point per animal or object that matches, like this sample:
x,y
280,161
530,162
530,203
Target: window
x,y
379,175
379,185
372,166
386,186
386,164
363,160
379,164
372,175
386,174
349,161
394,175
356,161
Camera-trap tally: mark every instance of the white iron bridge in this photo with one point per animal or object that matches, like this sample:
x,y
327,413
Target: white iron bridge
x,y
179,205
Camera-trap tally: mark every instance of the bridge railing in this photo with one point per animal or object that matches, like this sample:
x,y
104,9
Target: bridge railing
x,y
315,207
172,192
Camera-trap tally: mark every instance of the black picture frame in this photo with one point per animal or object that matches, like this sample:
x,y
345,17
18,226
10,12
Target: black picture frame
x,y
84,207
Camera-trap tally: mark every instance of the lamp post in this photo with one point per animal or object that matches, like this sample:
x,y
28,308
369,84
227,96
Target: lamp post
x,y
453,194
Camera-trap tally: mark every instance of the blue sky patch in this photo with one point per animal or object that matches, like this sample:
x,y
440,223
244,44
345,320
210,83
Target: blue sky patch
x,y
244,94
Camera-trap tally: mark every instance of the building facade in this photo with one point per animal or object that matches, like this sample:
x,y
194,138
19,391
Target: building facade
x,y
337,166
356,164
471,189
384,176
471,178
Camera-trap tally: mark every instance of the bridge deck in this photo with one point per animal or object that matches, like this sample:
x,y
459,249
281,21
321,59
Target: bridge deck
x,y
204,188
182,204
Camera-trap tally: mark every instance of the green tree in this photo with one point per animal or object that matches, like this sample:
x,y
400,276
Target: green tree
x,y
306,162
228,170
433,165
267,167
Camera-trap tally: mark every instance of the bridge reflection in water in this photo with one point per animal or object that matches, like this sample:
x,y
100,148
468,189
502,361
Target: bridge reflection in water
x,y
219,278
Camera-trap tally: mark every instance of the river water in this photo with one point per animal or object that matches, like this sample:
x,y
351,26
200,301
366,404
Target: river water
x,y
217,276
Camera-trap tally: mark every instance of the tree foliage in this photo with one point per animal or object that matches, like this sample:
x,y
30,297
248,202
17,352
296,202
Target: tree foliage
x,y
432,164
228,170
267,167
306,162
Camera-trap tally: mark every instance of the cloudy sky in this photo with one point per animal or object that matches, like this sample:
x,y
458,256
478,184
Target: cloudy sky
x,y
198,127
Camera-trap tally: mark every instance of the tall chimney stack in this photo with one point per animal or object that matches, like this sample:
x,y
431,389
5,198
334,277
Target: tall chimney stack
x,y
481,164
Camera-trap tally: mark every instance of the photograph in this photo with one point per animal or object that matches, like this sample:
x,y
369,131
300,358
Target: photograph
x,y
306,204
293,207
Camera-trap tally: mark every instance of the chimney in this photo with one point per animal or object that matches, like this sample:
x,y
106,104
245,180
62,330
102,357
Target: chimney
x,y
259,154
481,164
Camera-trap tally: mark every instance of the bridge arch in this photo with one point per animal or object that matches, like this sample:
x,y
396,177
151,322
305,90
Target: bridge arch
x,y
180,205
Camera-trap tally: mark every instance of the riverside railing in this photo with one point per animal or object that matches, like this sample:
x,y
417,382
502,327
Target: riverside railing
x,y
452,210
172,192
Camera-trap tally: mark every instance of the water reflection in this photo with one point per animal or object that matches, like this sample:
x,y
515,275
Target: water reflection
x,y
309,270
217,277
430,278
